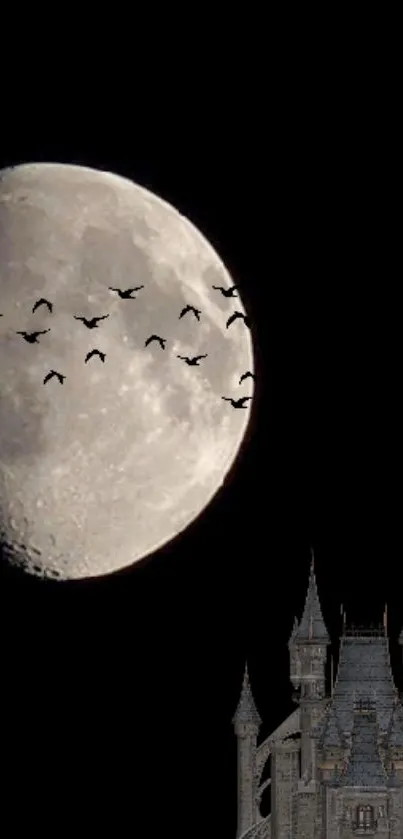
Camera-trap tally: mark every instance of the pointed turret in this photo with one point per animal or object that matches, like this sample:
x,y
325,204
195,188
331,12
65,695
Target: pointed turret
x,y
246,713
312,626
247,723
308,654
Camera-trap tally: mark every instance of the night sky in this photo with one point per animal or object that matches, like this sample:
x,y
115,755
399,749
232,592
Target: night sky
x,y
118,693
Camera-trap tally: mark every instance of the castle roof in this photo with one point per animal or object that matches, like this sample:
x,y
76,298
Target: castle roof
x,y
364,671
246,711
312,626
395,733
332,737
365,768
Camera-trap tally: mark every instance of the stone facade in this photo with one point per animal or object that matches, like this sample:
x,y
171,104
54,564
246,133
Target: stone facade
x,y
337,761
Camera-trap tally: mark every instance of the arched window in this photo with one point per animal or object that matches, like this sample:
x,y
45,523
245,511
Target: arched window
x,y
365,816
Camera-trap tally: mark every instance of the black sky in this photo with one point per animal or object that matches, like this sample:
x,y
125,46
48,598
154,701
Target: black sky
x,y
122,689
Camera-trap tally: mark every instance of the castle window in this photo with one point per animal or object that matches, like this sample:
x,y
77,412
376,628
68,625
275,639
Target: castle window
x,y
365,816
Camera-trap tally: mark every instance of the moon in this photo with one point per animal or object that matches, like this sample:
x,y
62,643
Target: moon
x,y
100,469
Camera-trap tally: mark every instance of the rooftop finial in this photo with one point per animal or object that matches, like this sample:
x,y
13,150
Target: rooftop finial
x,y
385,619
312,560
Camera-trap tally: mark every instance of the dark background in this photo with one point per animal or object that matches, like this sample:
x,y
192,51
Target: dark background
x,y
118,693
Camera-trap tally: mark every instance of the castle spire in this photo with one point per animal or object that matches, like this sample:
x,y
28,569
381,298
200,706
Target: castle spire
x,y
312,626
246,723
246,712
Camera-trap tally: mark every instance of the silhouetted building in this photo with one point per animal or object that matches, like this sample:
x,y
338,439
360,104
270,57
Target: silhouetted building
x,y
337,761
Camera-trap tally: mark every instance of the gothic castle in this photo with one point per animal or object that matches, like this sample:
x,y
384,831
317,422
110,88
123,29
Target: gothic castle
x,y
336,762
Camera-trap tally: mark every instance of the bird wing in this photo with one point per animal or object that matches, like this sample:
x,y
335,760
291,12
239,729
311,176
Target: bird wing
x,y
232,318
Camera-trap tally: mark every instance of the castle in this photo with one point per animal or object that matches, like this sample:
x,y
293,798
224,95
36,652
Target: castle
x,y
336,763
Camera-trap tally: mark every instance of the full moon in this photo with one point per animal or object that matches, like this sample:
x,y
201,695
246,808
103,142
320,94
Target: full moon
x,y
106,462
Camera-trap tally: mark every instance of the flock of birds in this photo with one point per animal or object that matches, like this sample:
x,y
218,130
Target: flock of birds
x,y
127,294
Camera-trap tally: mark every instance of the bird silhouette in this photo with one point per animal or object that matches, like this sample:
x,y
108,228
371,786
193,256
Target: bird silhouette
x,y
192,362
247,375
162,341
32,337
127,293
91,323
53,373
237,403
226,292
42,302
193,309
89,355
236,316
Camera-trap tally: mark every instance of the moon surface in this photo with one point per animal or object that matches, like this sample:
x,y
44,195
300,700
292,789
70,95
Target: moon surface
x,y
102,470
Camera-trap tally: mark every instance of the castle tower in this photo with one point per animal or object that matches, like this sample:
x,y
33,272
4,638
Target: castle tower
x,y
308,653
247,723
